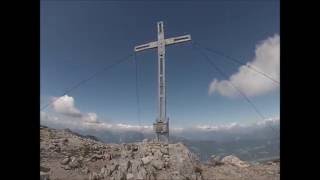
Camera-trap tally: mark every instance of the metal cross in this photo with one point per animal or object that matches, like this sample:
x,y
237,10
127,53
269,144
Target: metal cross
x,y
161,126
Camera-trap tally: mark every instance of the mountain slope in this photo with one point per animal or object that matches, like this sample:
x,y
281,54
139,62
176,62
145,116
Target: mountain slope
x,y
67,155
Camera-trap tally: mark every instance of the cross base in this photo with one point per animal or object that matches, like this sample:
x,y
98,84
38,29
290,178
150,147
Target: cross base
x,y
161,129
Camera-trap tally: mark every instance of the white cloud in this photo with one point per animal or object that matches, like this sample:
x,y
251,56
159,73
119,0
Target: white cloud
x,y
66,115
66,118
90,117
267,60
65,105
218,127
235,125
88,122
80,124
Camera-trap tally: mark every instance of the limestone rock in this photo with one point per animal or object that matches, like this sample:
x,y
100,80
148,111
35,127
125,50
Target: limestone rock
x,y
67,167
94,176
163,176
157,164
44,169
85,170
130,176
164,150
107,156
113,168
146,160
44,176
75,163
233,160
82,158
96,157
65,161
142,173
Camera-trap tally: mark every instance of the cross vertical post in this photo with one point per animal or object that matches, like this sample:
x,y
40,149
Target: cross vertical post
x,y
161,126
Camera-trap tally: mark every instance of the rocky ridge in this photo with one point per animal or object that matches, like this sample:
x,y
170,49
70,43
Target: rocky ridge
x,y
65,155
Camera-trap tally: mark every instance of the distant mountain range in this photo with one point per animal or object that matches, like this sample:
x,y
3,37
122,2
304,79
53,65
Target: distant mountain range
x,y
254,145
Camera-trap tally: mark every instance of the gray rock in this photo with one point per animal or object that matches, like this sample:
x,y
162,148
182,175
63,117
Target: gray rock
x,y
163,176
67,167
142,173
107,156
146,160
94,176
166,164
165,150
65,161
65,140
199,176
215,160
128,165
103,170
119,175
74,163
135,148
158,154
44,176
193,177
44,169
157,164
51,146
176,175
85,170
233,160
136,164
113,168
57,149
130,176
96,157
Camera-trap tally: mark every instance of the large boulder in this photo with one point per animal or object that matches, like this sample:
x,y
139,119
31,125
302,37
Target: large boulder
x,y
175,175
65,161
164,150
75,163
142,173
215,160
94,176
163,175
130,176
233,160
157,164
146,160
113,168
44,175
157,154
96,157
107,156
44,169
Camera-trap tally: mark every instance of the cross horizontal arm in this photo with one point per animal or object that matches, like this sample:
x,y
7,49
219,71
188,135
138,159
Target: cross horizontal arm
x,y
149,45
178,39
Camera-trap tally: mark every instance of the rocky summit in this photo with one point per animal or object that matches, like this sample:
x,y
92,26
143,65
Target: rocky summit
x,y
67,156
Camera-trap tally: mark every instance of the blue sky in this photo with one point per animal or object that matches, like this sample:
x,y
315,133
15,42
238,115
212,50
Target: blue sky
x,y
80,37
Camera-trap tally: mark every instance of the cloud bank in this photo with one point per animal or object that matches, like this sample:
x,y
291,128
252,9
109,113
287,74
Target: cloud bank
x,y
235,125
267,60
65,106
75,123
66,115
